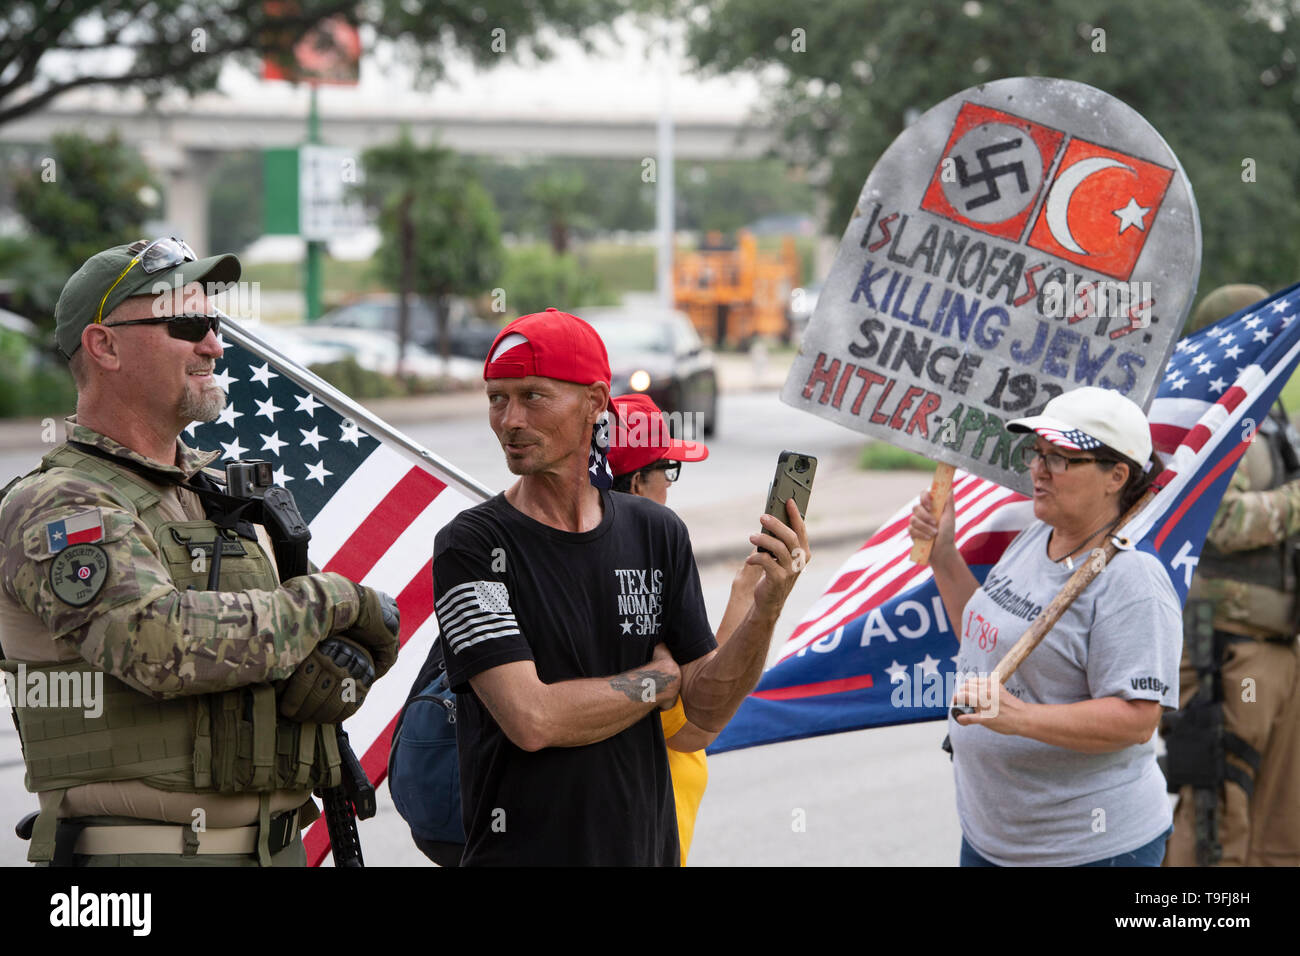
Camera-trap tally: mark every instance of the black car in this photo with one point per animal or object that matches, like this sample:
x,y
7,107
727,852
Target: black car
x,y
659,353
471,337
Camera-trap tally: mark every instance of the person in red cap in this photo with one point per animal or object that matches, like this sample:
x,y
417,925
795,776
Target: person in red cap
x,y
645,460
644,457
569,616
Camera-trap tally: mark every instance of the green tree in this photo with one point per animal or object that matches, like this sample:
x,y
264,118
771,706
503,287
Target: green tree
x,y
536,278
84,196
48,48
32,274
613,196
1217,78
558,200
730,194
441,236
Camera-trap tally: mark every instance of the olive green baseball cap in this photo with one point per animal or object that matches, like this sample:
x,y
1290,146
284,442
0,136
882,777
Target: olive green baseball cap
x,y
79,302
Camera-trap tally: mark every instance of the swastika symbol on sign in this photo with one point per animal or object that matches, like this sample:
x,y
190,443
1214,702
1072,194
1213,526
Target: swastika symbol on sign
x,y
989,174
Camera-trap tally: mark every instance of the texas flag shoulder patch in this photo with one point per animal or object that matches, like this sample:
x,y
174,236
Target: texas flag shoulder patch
x,y
81,528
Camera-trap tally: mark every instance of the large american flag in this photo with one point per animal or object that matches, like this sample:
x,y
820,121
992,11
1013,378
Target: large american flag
x,y
372,498
880,631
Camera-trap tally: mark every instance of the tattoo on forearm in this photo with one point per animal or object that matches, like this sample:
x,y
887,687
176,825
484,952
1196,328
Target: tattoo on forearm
x,y
644,686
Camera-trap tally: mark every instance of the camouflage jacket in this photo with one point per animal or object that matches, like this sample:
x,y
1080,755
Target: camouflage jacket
x,y
1251,517
138,627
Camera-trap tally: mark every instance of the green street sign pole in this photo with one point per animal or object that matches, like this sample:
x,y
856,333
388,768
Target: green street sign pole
x,y
314,273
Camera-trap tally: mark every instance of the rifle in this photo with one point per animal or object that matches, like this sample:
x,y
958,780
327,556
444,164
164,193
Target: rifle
x,y
355,796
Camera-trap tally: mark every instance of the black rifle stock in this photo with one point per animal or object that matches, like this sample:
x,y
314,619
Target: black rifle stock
x,y
355,796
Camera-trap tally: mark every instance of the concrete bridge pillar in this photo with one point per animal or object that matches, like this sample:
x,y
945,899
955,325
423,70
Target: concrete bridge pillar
x,y
185,175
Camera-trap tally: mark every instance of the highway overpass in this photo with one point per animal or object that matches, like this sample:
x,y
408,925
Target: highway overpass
x,y
182,139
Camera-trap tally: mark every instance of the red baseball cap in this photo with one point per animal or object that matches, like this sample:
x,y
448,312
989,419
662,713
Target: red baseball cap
x,y
551,344
641,436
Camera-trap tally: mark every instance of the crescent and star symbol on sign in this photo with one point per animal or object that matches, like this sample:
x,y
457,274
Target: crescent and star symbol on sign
x,y
1058,199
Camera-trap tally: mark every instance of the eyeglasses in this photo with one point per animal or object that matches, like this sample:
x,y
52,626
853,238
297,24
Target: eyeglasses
x,y
161,254
1056,464
192,327
672,469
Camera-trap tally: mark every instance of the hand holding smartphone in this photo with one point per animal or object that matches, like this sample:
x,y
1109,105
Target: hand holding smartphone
x,y
793,479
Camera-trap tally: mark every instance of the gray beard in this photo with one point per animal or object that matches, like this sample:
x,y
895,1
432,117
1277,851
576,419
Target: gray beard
x,y
204,407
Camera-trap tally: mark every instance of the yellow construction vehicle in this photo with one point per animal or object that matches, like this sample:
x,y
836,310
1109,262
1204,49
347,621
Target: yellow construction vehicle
x,y
735,293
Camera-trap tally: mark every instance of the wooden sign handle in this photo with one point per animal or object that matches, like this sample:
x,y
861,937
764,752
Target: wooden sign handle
x,y
940,492
1092,566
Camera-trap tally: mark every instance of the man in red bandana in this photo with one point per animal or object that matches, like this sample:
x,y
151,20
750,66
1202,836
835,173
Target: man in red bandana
x,y
571,616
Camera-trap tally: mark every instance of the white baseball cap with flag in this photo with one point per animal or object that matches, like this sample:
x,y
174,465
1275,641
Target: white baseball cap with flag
x,y
1090,417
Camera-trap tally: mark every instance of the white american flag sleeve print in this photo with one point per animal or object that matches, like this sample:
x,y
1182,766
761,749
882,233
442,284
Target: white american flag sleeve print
x,y
474,612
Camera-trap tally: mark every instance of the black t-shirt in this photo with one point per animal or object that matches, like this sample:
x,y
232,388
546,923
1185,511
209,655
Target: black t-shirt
x,y
508,588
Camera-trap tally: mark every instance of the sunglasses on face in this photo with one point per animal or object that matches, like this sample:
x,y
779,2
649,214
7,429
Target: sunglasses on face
x,y
191,327
672,469
159,255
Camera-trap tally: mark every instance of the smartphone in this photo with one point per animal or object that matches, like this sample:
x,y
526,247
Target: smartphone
x,y
793,479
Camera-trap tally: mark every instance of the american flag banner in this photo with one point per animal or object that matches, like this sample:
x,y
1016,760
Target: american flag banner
x,y
877,648
372,498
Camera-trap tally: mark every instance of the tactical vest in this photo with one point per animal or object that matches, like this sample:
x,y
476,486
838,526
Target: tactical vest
x,y
1269,573
230,742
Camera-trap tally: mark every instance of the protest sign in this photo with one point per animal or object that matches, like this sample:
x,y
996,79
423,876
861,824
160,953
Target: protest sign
x,y
1019,240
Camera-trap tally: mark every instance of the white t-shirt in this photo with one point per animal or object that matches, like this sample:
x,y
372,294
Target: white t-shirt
x,y
1024,802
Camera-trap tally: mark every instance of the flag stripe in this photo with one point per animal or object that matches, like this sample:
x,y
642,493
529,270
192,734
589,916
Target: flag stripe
x,y
966,494
385,524
359,495
838,686
410,553
886,590
888,534
416,599
1167,437
1189,500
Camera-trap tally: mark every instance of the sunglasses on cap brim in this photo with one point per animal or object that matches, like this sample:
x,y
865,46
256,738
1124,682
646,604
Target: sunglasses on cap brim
x,y
191,326
165,253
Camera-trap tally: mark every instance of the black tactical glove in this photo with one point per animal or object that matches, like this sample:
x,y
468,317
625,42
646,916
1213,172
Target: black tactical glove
x,y
330,685
332,682
376,628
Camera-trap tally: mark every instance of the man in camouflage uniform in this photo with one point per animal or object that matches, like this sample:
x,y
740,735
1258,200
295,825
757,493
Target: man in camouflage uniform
x,y
183,751
1248,574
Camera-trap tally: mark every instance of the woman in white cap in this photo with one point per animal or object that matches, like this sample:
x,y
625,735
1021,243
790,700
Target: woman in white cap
x,y
644,460
1058,767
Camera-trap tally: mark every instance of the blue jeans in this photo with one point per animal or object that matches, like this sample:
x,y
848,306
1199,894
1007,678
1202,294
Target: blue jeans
x,y
1149,855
